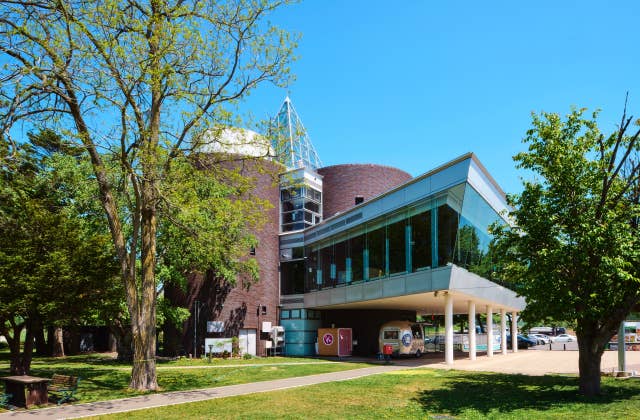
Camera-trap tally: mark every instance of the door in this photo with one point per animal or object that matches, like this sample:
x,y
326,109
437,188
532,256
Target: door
x,y
247,341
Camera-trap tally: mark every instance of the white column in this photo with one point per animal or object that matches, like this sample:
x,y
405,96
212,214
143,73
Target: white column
x,y
472,330
448,328
489,331
514,331
503,330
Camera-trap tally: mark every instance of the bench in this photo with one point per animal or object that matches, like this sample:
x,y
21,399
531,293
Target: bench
x,y
64,386
4,400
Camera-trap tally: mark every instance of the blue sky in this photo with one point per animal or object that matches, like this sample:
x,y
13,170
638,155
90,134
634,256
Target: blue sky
x,y
414,84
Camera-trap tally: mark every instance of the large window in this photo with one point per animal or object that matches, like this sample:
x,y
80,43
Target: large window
x,y
376,246
421,240
356,253
406,241
301,207
292,277
397,243
340,260
447,231
326,263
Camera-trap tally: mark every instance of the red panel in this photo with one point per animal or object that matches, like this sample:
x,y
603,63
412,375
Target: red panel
x,y
344,342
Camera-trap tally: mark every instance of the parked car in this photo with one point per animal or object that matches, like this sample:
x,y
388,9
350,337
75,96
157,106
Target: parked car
x,y
541,338
523,342
564,338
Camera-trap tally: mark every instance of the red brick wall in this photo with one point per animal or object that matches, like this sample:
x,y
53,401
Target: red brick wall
x,y
342,183
235,306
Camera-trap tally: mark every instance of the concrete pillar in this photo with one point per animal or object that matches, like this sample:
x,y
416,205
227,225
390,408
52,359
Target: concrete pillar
x,y
503,330
489,331
472,330
514,331
448,328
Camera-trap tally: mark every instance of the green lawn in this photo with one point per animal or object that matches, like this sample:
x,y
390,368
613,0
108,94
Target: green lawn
x,y
104,378
421,394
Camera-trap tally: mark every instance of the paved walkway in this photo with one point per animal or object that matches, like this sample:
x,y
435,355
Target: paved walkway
x,y
529,362
180,397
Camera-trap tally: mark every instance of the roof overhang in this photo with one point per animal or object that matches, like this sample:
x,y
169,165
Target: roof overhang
x,y
422,292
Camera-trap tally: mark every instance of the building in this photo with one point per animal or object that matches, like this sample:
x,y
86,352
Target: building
x,y
357,245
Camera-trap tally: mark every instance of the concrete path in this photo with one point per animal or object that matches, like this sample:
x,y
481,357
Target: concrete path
x,y
537,362
180,397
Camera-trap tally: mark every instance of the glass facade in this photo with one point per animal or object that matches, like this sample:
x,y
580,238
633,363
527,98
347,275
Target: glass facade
x,y
301,207
452,228
292,268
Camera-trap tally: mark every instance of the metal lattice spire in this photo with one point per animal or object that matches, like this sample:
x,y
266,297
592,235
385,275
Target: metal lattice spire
x,y
291,141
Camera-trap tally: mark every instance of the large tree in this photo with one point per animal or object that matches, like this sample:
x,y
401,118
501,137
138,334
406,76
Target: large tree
x,y
143,79
54,265
574,252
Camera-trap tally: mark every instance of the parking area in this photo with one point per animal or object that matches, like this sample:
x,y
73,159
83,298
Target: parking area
x,y
535,361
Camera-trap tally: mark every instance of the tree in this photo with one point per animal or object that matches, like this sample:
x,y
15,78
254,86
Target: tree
x,y
144,80
54,267
574,250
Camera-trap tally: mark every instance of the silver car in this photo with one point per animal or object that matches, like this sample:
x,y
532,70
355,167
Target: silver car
x,y
564,338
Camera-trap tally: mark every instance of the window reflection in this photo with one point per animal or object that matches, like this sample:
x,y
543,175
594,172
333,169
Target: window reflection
x,y
462,238
377,250
397,243
447,230
421,240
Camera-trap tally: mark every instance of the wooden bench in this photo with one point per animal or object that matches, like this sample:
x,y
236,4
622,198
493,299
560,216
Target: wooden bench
x,y
64,386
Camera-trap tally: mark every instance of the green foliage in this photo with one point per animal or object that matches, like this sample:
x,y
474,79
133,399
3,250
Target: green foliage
x,y
574,250
140,85
57,265
208,215
169,314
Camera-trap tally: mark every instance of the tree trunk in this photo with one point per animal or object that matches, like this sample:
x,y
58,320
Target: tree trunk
x,y
57,343
41,344
21,361
113,343
590,356
143,323
71,338
123,341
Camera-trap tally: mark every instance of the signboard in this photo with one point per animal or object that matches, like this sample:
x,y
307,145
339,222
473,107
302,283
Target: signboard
x,y
218,345
215,326
631,337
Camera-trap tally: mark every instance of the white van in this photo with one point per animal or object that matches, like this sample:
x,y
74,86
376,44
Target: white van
x,y
404,337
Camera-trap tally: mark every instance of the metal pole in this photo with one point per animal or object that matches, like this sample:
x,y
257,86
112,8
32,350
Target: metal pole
x,y
196,305
622,362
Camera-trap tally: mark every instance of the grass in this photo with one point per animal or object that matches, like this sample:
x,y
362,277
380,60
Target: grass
x,y
421,394
104,378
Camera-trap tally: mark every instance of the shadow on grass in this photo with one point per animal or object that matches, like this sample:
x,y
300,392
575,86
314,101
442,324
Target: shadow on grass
x,y
487,393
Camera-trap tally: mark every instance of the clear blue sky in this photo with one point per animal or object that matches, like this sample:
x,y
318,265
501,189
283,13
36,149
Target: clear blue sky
x,y
414,84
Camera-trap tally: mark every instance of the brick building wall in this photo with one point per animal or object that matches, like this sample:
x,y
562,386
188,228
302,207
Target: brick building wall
x,y
343,183
236,306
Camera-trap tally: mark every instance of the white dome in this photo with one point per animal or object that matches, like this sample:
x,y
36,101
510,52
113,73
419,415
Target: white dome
x,y
236,141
